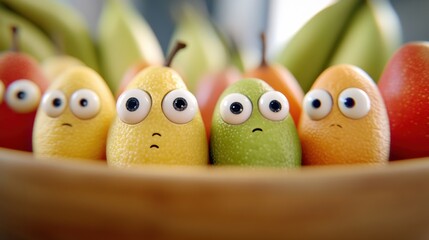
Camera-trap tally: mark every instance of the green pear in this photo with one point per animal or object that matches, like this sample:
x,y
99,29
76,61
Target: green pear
x,y
252,126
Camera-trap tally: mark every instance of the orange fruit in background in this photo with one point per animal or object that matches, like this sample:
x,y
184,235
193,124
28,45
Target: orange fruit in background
x,y
344,119
280,79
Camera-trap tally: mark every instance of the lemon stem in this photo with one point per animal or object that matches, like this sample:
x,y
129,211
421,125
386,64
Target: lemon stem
x,y
15,32
179,45
264,50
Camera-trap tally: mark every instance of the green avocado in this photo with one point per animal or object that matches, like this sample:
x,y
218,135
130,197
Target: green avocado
x,y
257,141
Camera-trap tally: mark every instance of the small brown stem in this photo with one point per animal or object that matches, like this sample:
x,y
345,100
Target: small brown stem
x,y
264,50
15,32
179,45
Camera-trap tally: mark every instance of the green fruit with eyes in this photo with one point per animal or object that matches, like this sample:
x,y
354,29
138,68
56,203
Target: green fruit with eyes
x,y
252,127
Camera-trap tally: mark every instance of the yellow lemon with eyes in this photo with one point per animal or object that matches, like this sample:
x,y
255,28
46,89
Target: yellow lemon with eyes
x,y
344,119
74,116
158,122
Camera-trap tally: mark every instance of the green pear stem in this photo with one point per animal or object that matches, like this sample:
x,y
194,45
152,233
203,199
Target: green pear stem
x,y
264,50
179,45
15,32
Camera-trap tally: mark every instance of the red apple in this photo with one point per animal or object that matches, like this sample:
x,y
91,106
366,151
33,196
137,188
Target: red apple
x,y
404,85
209,89
24,84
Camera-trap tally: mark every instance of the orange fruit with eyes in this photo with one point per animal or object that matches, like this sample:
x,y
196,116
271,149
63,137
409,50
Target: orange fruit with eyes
x,y
344,119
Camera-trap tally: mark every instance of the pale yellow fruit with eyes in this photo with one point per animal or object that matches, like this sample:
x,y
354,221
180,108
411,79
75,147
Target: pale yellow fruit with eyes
x,y
74,116
158,122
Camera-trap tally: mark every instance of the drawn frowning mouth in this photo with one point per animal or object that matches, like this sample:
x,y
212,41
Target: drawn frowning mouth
x,y
257,129
154,145
336,125
66,124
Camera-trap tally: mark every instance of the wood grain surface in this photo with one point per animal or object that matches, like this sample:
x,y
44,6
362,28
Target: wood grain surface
x,y
73,200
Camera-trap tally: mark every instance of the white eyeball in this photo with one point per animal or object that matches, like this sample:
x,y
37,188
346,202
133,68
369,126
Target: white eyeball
x,y
23,96
53,103
85,104
179,106
274,106
133,106
317,104
354,103
235,108
1,91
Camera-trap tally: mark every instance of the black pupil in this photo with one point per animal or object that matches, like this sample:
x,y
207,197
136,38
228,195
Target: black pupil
x,y
180,104
236,108
21,95
349,102
275,106
83,102
316,103
132,104
56,102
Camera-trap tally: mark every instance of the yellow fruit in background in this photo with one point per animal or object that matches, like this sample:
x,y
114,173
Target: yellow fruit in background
x,y
55,65
158,122
74,116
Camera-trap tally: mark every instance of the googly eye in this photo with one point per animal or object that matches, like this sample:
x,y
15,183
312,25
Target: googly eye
x,y
23,96
53,103
235,108
85,104
133,106
179,106
274,106
317,104
354,103
1,91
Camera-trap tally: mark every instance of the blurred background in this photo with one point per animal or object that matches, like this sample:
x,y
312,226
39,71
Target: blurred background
x,y
243,20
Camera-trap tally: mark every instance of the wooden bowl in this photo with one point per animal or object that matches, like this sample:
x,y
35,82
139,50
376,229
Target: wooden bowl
x,y
75,200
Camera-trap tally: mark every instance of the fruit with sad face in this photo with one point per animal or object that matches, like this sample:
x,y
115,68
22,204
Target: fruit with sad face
x,y
344,120
74,116
252,126
158,122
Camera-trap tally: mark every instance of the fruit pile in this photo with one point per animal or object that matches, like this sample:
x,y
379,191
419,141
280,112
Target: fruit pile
x,y
342,91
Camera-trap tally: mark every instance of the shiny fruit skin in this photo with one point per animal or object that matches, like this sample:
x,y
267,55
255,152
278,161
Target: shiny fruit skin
x,y
404,86
16,128
209,89
337,139
283,81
